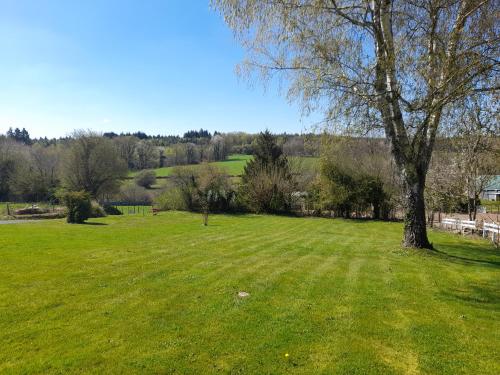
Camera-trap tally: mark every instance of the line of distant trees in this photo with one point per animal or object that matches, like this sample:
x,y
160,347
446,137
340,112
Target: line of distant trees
x,y
142,150
355,177
32,169
237,142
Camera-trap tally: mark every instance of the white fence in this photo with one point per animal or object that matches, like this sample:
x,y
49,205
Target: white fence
x,y
460,225
490,230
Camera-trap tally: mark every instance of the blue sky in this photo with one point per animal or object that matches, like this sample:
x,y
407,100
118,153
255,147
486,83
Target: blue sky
x,y
163,67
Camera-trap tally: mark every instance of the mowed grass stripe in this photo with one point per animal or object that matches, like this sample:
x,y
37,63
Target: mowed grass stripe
x,y
246,254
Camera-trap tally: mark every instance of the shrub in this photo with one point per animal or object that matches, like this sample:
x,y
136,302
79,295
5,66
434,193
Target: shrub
x,y
78,205
346,191
207,189
145,179
184,182
97,210
268,189
134,194
112,210
213,191
171,199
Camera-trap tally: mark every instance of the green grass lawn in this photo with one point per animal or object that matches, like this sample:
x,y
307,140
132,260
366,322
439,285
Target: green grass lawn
x,y
491,206
158,294
234,165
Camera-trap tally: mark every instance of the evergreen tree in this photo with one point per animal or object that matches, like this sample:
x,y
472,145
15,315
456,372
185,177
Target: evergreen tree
x,y
267,151
25,137
21,136
267,183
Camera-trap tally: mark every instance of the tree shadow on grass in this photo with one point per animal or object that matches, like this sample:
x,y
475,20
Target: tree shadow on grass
x,y
94,223
483,294
468,253
478,295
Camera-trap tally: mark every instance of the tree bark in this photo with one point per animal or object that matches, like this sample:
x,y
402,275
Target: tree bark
x,y
474,207
376,211
415,230
469,207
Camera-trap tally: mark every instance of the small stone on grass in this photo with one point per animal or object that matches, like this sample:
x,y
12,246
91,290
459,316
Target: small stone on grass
x,y
243,294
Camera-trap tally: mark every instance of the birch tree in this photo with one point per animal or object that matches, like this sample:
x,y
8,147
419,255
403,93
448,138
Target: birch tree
x,y
383,65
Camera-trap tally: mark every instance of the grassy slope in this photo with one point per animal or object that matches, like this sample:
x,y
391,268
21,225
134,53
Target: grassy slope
x,y
491,206
158,295
233,165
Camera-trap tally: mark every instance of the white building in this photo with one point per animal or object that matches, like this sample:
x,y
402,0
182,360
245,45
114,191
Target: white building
x,y
492,190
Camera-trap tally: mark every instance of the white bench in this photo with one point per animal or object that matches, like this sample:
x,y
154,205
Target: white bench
x,y
491,228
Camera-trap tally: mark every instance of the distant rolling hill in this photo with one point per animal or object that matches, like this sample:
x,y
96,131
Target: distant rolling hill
x,y
234,165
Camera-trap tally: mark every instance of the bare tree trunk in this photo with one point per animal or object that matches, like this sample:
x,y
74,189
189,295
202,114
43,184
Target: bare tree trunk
x,y
205,218
415,230
474,210
430,219
376,211
470,205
